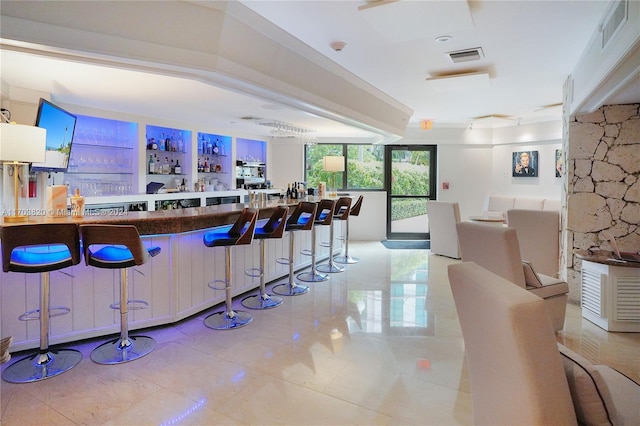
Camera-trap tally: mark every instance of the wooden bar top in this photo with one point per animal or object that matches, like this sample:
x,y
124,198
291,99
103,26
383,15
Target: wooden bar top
x,y
173,221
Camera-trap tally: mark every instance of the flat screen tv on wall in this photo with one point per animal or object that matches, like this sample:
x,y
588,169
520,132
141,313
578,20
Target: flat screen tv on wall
x,y
60,126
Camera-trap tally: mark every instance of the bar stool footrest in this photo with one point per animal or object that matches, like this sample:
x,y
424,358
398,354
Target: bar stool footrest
x,y
31,315
284,261
213,285
132,305
254,272
307,252
324,244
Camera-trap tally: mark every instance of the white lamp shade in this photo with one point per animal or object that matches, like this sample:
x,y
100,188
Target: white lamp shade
x,y
333,163
25,144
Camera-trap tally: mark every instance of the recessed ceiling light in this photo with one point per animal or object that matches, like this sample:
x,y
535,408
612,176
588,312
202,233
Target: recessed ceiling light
x,y
443,39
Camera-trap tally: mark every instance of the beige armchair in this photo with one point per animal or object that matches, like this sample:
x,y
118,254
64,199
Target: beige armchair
x,y
443,217
519,375
496,248
539,238
515,370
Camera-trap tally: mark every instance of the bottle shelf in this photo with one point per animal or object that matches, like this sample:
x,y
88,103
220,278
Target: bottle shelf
x,y
80,172
100,147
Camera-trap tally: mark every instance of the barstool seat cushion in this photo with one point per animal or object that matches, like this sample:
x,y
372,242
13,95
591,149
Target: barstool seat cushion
x,y
301,223
221,236
40,259
116,257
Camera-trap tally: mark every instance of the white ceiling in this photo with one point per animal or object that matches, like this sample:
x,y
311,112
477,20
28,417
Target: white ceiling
x,y
530,47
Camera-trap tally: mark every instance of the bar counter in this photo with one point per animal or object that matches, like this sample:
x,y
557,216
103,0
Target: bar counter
x,y
174,283
173,221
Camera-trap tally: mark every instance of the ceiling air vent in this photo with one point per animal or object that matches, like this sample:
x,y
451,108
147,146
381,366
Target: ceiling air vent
x,y
466,55
614,21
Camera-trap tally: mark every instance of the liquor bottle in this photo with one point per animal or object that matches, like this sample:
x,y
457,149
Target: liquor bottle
x,y
216,150
77,204
167,144
183,186
166,167
294,191
177,169
172,167
205,167
288,191
152,165
161,142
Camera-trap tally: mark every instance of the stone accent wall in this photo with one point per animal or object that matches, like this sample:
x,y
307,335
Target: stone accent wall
x,y
603,184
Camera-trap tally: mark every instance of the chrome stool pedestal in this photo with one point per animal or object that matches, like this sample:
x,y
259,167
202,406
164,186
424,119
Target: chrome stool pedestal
x,y
274,228
240,233
345,258
300,220
22,252
119,247
340,212
324,216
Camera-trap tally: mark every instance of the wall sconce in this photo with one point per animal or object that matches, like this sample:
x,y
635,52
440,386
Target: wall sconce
x,y
19,146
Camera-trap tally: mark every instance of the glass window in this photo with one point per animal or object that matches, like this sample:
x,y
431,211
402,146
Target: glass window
x,y
364,168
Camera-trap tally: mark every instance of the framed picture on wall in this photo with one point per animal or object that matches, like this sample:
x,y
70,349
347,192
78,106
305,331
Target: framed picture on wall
x,y
559,162
524,164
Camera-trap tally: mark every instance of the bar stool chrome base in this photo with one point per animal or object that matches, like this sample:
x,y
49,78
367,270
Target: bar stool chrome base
x,y
262,301
41,366
290,289
117,351
312,276
228,320
330,268
345,260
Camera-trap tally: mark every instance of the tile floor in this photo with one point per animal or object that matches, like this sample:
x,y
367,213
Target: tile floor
x,y
357,349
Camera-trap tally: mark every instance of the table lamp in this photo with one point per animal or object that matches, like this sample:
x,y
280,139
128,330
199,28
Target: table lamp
x,y
19,146
333,164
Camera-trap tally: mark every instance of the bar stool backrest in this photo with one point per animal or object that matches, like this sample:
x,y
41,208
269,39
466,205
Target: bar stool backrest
x,y
29,235
306,208
355,210
276,223
123,235
341,211
245,226
324,212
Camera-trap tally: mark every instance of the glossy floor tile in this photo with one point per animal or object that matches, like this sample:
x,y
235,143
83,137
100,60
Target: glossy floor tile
x,y
358,349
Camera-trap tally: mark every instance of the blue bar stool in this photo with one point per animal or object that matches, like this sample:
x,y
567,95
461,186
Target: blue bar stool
x,y
118,247
324,216
340,212
300,220
345,258
41,248
224,236
274,228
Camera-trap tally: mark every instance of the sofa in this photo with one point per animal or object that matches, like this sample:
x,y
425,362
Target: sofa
x,y
519,374
497,205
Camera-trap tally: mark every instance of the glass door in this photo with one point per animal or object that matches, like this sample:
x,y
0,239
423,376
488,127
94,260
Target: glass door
x,y
410,173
